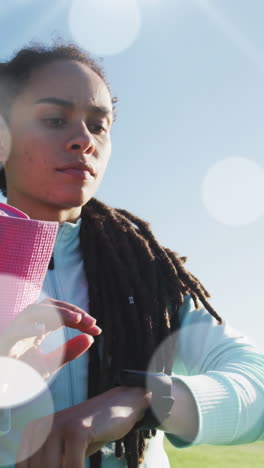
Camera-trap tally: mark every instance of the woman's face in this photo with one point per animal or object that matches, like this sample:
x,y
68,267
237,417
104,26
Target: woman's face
x,y
60,129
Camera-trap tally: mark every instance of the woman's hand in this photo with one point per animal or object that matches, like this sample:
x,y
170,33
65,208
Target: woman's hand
x,y
81,430
23,337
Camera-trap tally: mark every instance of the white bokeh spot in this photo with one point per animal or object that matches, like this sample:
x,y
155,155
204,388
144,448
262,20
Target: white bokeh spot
x,y
19,382
7,7
105,27
23,388
233,191
150,3
22,3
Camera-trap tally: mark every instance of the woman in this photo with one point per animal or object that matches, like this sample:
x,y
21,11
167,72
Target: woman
x,y
59,111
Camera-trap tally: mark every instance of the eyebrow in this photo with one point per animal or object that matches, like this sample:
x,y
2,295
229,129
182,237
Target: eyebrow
x,y
104,111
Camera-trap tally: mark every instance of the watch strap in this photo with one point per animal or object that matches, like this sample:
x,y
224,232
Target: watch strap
x,y
160,385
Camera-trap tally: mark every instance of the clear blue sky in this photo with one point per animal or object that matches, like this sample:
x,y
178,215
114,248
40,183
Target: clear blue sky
x,y
188,145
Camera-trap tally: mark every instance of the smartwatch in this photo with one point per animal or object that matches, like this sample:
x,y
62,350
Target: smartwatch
x,y
160,385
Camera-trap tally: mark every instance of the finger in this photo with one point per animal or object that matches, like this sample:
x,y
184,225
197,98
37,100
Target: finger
x,y
23,451
50,455
54,314
35,461
94,447
82,327
77,346
72,316
86,319
86,322
74,454
35,438
24,326
67,306
69,351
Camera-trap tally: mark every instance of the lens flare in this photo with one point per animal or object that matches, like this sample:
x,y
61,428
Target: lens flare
x,y
30,384
105,27
233,191
24,391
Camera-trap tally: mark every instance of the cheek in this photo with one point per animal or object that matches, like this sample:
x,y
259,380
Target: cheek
x,y
106,154
28,163
103,165
32,152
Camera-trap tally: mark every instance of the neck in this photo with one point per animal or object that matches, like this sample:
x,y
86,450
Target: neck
x,y
44,212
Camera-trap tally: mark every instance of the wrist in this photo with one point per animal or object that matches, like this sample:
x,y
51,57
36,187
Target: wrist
x,y
161,400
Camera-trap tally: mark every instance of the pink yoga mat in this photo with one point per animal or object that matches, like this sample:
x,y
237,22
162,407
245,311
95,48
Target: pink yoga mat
x,y
26,247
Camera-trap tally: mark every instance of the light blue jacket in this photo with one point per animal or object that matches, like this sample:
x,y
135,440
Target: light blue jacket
x,y
222,370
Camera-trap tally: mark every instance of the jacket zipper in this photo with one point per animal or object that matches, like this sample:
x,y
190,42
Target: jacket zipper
x,y
55,289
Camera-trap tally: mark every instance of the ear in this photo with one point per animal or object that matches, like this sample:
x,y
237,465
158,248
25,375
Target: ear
x,y
5,140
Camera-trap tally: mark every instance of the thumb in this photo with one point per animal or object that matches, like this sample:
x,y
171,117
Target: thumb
x,y
69,351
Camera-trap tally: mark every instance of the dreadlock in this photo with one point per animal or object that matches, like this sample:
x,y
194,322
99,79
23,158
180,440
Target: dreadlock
x,y
136,288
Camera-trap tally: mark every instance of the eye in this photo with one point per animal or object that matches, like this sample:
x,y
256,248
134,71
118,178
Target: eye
x,y
97,129
54,122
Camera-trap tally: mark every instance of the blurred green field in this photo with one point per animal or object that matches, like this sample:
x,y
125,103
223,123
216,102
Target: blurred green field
x,y
207,456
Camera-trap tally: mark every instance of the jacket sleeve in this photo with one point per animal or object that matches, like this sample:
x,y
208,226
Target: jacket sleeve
x,y
5,421
225,375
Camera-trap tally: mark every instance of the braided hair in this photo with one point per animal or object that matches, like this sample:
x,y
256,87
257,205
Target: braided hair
x,y
136,288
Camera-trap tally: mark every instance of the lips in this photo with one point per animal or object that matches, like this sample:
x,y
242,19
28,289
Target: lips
x,y
79,170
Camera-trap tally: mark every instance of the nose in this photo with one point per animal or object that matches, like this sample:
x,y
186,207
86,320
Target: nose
x,y
82,140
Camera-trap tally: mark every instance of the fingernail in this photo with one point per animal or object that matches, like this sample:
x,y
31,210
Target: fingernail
x,y
87,320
